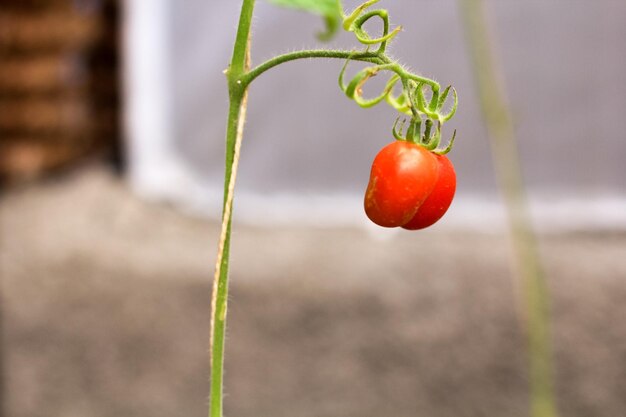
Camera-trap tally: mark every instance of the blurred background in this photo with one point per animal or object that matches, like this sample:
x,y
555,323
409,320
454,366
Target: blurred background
x,y
112,125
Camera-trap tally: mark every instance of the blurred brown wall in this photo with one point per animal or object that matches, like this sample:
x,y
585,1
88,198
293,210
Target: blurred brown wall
x,y
59,96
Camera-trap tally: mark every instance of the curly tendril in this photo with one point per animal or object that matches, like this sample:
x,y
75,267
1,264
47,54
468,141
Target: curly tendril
x,y
427,116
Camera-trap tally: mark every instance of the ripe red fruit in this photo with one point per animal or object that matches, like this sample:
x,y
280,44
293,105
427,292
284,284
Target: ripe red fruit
x,y
409,186
439,200
403,175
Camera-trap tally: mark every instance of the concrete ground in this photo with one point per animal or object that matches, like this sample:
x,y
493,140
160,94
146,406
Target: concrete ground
x,y
106,298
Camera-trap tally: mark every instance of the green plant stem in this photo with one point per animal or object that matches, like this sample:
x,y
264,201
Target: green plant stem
x,y
376,57
508,170
239,78
234,131
371,57
220,287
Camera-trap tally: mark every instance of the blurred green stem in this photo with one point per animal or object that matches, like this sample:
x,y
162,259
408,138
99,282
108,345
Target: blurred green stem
x,y
508,170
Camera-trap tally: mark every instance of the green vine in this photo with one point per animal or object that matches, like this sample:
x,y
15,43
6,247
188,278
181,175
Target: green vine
x,y
426,119
411,101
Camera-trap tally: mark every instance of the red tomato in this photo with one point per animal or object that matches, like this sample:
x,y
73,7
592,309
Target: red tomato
x,y
403,175
439,200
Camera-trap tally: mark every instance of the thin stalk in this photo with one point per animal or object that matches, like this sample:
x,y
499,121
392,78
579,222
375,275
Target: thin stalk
x,y
377,57
371,57
508,171
220,280
238,93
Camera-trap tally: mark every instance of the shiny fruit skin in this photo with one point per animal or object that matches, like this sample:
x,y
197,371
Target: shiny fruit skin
x,y
403,175
439,200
